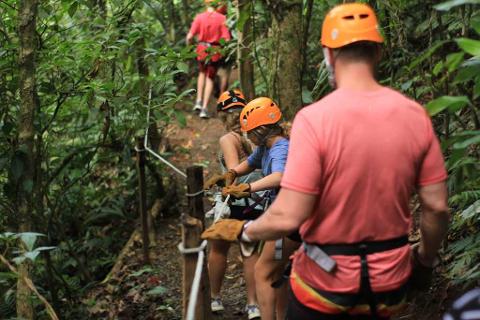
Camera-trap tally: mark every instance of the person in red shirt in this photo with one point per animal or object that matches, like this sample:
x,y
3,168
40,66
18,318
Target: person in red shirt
x,y
355,159
209,28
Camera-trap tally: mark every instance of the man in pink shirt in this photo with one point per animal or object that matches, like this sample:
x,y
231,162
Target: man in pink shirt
x,y
355,159
209,27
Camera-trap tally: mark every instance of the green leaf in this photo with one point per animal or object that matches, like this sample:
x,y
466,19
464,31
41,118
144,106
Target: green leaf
x,y
32,255
475,22
307,96
470,46
45,248
158,291
467,72
182,66
447,5
438,68
467,142
180,118
476,88
454,60
72,9
447,102
29,239
244,16
426,54
471,211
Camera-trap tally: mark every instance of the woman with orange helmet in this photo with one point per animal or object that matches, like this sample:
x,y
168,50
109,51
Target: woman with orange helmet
x,y
234,149
259,120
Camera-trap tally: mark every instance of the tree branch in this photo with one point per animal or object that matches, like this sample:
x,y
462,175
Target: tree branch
x,y
29,283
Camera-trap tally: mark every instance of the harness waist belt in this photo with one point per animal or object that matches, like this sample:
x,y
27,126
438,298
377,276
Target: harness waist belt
x,y
363,248
320,254
208,44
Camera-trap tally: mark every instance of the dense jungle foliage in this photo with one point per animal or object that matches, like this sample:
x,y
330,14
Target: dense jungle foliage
x,y
98,64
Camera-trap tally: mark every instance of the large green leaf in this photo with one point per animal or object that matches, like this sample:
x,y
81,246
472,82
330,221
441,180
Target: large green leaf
x,y
475,23
427,54
467,142
29,239
447,102
447,5
469,46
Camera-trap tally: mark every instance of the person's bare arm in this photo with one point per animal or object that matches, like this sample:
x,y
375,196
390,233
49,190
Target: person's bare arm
x,y
287,213
189,38
433,221
269,182
229,150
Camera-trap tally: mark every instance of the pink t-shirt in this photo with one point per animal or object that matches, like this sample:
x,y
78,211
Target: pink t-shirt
x,y
363,154
210,27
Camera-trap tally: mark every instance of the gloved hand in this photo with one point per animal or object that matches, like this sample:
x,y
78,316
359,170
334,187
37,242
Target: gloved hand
x,y
238,191
227,179
422,275
224,229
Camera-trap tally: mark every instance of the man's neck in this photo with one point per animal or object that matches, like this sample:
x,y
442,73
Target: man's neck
x,y
210,9
356,76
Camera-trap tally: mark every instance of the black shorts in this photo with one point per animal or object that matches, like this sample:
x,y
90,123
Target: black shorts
x,y
237,212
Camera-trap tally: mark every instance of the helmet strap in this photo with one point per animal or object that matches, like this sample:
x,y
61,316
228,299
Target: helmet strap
x,y
329,66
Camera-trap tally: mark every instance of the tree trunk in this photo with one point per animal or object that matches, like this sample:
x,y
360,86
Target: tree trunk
x,y
286,57
28,104
244,11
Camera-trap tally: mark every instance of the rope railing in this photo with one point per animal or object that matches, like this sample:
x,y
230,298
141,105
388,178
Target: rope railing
x,y
151,151
192,301
200,250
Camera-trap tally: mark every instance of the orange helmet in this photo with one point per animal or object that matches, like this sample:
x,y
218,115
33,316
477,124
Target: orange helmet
x,y
231,99
259,112
349,23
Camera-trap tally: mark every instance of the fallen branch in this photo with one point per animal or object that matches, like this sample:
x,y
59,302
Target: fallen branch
x,y
30,284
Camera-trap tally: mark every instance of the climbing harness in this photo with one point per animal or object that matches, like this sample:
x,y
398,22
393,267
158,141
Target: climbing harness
x,y
319,253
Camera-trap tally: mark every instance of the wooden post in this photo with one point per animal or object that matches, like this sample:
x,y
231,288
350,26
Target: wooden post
x,y
194,185
192,227
142,197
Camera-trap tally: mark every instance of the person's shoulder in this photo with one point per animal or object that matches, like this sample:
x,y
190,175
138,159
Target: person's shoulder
x,y
400,98
227,137
312,111
281,144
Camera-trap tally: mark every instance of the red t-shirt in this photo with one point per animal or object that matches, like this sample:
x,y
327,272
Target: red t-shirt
x,y
363,154
209,27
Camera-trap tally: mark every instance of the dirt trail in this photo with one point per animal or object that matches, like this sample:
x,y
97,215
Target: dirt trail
x,y
137,291
141,292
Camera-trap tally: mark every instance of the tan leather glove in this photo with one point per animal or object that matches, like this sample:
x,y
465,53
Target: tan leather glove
x,y
227,179
224,229
238,191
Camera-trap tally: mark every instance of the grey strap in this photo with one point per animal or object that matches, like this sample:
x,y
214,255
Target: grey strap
x,y
278,249
322,259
